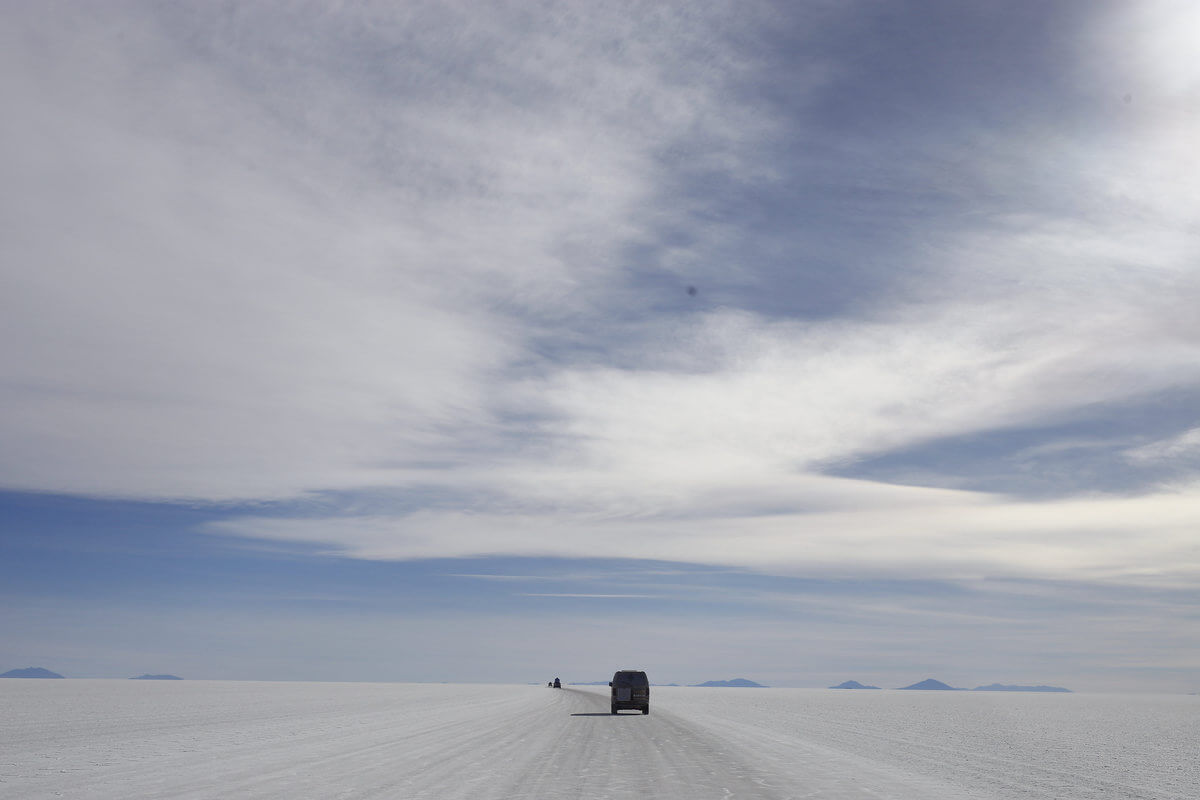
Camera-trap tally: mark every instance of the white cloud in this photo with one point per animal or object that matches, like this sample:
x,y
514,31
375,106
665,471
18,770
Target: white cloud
x,y
1184,447
937,534
296,255
1149,47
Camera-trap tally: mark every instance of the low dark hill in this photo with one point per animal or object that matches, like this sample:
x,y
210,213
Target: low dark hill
x,y
736,683
852,685
1001,687
157,678
930,685
30,672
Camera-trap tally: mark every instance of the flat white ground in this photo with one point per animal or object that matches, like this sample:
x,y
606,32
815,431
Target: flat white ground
x,y
131,739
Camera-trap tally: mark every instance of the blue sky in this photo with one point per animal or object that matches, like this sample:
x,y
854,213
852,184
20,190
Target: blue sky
x,y
434,341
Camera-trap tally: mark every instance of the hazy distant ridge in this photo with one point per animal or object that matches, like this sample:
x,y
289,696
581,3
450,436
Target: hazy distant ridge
x,y
1001,687
929,684
852,685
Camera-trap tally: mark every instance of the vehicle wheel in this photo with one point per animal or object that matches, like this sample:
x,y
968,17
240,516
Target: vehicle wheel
x,y
613,709
646,710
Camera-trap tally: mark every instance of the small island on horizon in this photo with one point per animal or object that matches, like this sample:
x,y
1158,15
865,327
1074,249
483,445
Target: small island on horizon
x,y
736,683
157,678
930,685
31,672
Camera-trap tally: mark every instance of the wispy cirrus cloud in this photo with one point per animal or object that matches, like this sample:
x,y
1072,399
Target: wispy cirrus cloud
x,y
443,251
252,256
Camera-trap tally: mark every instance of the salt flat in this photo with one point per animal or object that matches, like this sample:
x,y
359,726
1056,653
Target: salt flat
x,y
195,739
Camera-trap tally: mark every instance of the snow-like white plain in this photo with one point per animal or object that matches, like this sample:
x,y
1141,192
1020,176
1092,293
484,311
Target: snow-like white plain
x,y
198,739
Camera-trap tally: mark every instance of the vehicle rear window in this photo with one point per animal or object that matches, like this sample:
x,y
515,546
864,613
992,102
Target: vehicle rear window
x,y
630,679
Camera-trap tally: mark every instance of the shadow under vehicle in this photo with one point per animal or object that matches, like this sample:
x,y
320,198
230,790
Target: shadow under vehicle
x,y
630,689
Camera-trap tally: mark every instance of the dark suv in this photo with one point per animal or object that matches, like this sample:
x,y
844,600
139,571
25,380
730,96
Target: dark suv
x,y
630,689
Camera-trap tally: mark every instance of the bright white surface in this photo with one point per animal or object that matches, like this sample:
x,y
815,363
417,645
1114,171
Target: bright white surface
x,y
124,739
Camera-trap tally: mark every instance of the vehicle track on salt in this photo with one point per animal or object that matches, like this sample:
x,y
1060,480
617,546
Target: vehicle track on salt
x,y
597,754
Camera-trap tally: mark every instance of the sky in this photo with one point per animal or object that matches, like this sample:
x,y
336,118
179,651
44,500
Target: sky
x,y
801,342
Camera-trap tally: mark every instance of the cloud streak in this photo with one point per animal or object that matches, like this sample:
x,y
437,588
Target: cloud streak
x,y
1145,540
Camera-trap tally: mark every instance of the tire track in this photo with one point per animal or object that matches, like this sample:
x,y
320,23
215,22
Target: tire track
x,y
596,755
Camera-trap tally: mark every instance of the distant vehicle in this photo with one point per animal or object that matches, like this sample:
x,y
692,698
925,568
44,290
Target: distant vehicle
x,y
630,689
557,684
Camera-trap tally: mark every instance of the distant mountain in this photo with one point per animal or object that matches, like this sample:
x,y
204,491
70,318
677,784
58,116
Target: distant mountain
x,y
736,682
929,684
157,678
30,672
852,685
1000,687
